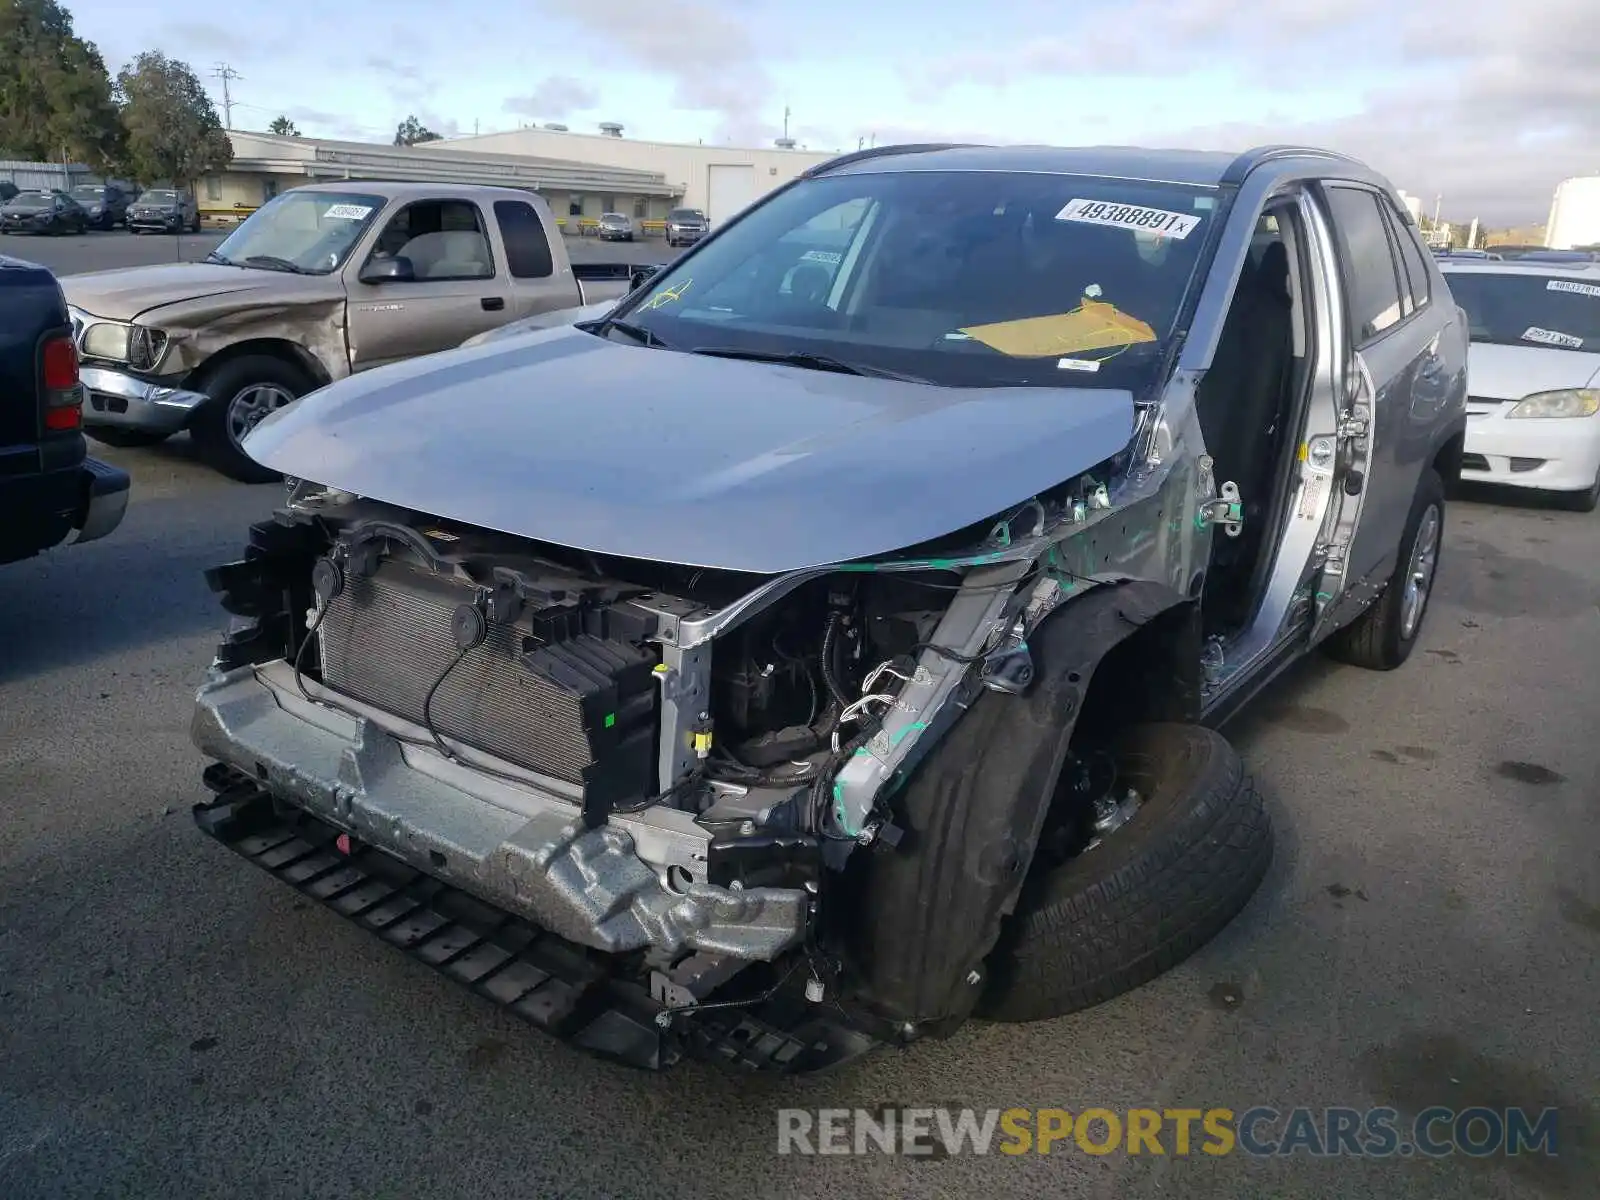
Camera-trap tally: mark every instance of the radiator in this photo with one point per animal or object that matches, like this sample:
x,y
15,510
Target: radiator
x,y
573,706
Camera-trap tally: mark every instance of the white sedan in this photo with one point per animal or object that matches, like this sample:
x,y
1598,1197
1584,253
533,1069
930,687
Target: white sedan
x,y
1533,375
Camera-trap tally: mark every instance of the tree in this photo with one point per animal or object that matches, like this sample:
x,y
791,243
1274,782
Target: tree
x,y
174,133
283,126
411,131
55,92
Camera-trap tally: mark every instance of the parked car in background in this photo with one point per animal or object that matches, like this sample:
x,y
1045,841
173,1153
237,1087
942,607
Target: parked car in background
x,y
686,226
616,227
50,489
163,210
320,282
882,689
106,204
42,212
1534,375
7,190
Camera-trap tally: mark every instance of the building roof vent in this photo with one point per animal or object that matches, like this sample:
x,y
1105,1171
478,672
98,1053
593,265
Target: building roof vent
x,y
555,126
783,143
610,129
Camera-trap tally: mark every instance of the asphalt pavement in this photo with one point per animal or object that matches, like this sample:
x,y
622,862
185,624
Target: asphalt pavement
x,y
104,250
174,1023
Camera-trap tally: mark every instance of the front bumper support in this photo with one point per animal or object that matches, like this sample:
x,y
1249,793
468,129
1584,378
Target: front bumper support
x,y
578,996
124,401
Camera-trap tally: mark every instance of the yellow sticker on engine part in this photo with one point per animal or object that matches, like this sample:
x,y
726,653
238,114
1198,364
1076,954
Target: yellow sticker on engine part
x,y
1093,325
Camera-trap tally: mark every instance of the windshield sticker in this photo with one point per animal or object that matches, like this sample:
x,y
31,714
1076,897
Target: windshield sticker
x,y
1093,325
830,257
1551,337
1078,364
666,296
1130,216
1568,285
347,212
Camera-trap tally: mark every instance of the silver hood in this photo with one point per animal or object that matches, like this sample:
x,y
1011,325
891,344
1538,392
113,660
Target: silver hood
x,y
569,438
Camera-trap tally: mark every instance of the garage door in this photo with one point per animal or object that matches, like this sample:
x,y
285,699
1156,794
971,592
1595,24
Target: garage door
x,y
728,190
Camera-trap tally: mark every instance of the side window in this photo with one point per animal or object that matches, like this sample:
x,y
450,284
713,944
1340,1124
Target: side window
x,y
1370,272
527,248
1405,236
444,239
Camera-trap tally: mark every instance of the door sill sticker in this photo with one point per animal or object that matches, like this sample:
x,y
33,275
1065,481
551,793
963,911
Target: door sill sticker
x,y
1158,221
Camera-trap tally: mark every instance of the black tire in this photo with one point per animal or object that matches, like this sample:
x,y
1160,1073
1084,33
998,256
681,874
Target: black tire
x,y
1583,502
1378,640
126,439
1150,894
225,384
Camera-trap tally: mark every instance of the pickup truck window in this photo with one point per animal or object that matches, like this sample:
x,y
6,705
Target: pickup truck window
x,y
1510,308
312,232
962,278
444,239
527,248
1371,274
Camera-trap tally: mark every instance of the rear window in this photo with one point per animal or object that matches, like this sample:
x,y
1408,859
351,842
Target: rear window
x,y
527,248
1506,309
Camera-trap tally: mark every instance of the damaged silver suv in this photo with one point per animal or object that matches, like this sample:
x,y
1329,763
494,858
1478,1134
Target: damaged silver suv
x,y
827,644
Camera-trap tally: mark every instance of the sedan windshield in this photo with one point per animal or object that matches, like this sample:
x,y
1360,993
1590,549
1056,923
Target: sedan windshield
x,y
31,200
310,232
1520,309
970,278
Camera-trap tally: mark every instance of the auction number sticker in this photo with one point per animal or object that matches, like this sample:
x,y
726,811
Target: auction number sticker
x,y
348,212
1570,285
1551,337
830,257
1130,216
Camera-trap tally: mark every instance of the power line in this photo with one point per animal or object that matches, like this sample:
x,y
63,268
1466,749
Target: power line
x,y
227,74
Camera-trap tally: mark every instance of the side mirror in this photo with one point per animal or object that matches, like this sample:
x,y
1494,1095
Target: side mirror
x,y
389,270
641,277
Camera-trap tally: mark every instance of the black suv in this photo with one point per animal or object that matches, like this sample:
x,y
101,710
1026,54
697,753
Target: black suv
x,y
105,203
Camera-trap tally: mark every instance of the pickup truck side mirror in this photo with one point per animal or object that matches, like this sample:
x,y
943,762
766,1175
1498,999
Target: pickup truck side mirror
x,y
641,277
388,270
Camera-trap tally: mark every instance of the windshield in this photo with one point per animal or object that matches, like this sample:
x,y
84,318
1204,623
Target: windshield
x,y
686,214
971,278
1509,309
31,200
88,193
159,197
312,232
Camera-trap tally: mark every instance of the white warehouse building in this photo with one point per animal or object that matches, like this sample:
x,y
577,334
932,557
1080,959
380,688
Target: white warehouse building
x,y
719,180
1575,214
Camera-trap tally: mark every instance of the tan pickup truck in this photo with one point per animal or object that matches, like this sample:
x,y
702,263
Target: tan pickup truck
x,y
321,282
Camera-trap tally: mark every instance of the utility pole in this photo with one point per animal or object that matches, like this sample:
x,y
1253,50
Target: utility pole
x,y
785,122
227,74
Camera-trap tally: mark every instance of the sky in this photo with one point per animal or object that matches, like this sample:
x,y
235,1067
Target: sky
x,y
1486,106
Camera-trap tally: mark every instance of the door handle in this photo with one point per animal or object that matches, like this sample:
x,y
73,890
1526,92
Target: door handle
x,y
492,303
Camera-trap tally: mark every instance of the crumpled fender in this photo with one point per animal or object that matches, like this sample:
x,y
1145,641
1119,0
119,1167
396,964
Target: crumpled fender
x,y
923,917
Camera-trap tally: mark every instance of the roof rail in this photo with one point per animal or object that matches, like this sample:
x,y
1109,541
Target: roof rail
x,y
855,156
1251,159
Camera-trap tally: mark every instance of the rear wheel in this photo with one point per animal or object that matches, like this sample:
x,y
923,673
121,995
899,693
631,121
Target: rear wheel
x,y
1167,855
1383,637
243,392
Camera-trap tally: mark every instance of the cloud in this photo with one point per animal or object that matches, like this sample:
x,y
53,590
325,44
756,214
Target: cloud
x,y
1487,108
713,60
554,97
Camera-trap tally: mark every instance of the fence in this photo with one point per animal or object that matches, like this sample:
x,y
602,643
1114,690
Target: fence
x,y
43,176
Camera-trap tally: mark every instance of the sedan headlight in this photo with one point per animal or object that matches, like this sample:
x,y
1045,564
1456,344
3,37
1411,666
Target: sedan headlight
x,y
1567,402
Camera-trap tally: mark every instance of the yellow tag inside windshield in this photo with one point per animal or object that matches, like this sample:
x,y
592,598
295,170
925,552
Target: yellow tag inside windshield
x,y
1093,325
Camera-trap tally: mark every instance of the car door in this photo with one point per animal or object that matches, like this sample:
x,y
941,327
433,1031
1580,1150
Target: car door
x,y
535,285
456,289
1392,334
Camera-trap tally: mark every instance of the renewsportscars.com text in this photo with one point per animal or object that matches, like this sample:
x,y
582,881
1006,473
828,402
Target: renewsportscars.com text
x,y
1257,1132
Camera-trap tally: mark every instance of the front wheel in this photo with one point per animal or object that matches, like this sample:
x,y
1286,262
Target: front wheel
x,y
1585,501
243,392
1175,849
1383,637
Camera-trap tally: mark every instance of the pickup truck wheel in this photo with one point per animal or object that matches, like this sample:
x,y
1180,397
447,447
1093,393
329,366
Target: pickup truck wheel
x,y
1383,637
127,439
243,392
1170,866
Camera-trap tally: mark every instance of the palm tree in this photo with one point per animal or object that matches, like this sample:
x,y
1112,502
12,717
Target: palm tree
x,y
283,126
